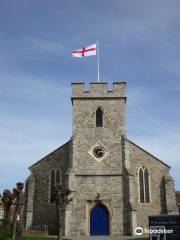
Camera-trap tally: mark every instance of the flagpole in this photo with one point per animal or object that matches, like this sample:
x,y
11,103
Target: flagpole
x,y
98,60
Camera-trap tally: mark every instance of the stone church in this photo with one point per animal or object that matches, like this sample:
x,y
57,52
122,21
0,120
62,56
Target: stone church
x,y
115,183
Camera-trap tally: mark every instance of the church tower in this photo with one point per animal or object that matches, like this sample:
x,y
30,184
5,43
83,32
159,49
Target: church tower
x,y
97,164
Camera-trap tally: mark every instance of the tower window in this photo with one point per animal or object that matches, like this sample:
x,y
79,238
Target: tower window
x,y
99,117
144,185
55,179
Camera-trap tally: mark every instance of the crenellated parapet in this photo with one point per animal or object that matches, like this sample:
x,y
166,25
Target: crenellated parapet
x,y
99,90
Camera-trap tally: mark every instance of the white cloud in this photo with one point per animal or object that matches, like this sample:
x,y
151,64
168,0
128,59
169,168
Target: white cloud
x,y
56,48
166,147
28,47
139,95
22,85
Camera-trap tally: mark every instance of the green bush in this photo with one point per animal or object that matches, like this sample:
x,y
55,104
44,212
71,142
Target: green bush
x,y
4,235
19,230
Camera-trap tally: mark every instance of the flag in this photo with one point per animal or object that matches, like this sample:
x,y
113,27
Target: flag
x,y
85,52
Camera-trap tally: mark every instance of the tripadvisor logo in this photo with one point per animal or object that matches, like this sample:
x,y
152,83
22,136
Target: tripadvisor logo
x,y
139,231
155,230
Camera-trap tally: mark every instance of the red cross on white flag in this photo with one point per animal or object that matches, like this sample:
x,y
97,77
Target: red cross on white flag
x,y
88,51
85,52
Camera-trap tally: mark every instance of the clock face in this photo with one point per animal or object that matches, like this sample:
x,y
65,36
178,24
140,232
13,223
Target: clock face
x,y
98,152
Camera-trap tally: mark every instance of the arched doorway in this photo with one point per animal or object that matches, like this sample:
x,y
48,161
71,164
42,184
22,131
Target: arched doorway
x,y
99,220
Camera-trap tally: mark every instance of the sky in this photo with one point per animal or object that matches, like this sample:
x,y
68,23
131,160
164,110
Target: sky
x,y
138,43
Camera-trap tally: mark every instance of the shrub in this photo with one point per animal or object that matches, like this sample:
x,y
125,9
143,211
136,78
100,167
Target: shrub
x,y
4,235
19,229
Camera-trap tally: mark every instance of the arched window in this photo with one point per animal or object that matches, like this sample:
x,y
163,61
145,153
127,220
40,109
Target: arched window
x,y
99,117
144,185
58,176
52,183
146,179
141,185
55,179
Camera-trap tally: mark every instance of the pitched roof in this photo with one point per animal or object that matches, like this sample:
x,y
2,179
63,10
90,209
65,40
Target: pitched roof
x,y
51,153
148,153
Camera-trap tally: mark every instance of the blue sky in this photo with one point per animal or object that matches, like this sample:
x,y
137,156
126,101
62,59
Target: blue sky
x,y
139,43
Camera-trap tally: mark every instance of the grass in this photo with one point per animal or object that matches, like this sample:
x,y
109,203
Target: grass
x,y
53,238
36,238
40,238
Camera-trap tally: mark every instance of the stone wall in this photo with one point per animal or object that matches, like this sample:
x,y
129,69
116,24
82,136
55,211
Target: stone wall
x,y
93,178
86,134
159,194
93,189
40,212
178,200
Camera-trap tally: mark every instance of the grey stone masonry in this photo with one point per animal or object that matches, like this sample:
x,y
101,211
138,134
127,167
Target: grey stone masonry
x,y
99,90
161,185
30,185
41,213
93,178
100,165
85,133
170,194
130,222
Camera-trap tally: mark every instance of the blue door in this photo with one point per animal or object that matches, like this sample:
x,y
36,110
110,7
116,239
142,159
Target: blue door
x,y
99,220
